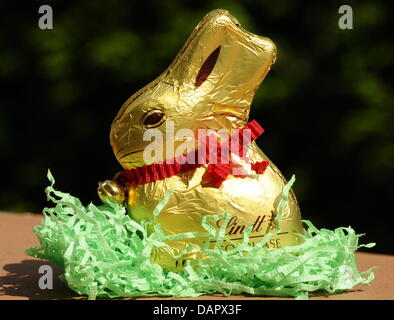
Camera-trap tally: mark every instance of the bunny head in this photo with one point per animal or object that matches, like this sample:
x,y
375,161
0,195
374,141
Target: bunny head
x,y
210,84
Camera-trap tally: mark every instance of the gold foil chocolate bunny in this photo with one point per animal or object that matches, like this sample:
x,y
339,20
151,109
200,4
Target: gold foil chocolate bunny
x,y
210,85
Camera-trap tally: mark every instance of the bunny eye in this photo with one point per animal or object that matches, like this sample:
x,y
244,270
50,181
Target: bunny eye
x,y
154,118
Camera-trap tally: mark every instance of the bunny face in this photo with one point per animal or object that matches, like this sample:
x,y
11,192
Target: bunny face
x,y
210,84
151,110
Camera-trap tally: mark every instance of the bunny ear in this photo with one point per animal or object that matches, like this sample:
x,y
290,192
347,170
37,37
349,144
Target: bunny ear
x,y
223,63
207,67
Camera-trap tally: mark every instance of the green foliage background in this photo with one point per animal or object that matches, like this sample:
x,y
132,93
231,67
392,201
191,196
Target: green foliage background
x,y
326,105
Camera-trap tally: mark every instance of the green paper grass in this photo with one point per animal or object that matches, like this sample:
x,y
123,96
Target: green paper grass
x,y
104,253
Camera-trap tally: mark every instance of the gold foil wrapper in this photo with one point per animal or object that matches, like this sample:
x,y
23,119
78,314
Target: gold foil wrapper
x,y
210,84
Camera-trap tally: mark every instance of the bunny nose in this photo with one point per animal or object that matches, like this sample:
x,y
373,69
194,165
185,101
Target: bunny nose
x,y
118,139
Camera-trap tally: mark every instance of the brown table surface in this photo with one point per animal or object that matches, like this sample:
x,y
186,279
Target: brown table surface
x,y
19,273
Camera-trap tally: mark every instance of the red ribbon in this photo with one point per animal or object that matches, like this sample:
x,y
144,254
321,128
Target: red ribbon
x,y
215,174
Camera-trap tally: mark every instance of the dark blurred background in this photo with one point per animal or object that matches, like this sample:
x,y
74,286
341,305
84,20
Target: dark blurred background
x,y
326,105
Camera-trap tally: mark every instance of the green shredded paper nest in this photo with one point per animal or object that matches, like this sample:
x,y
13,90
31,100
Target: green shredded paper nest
x,y
104,253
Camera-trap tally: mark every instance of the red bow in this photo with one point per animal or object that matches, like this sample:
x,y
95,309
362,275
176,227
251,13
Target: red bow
x,y
215,174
